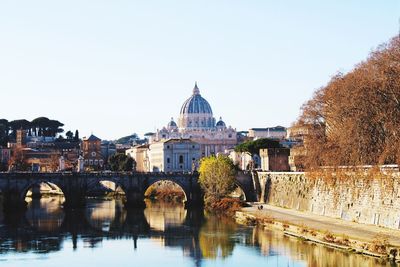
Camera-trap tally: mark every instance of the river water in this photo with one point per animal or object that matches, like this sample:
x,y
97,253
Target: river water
x,y
104,234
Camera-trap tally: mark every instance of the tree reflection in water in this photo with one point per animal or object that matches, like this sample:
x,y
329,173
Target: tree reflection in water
x,y
46,228
216,237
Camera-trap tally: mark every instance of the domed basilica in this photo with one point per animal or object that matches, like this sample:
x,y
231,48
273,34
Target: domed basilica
x,y
196,122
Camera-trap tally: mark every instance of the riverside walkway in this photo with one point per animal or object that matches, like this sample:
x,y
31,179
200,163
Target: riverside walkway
x,y
362,232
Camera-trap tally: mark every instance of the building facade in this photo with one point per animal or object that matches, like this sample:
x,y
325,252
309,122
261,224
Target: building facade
x,y
140,154
43,154
275,159
91,148
107,150
197,123
277,132
174,155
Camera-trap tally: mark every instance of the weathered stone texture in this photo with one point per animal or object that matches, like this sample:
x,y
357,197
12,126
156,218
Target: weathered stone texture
x,y
359,197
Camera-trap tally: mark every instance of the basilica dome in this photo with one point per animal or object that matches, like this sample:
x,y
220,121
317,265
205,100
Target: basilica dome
x,y
221,123
172,124
196,104
196,112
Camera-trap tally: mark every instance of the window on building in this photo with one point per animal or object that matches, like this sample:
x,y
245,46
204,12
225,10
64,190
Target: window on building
x,y
180,159
168,160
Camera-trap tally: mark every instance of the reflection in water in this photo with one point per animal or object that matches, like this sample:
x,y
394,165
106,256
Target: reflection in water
x,y
163,234
162,216
45,214
105,215
216,238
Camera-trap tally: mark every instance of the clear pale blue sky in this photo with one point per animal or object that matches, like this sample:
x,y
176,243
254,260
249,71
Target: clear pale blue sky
x,y
123,66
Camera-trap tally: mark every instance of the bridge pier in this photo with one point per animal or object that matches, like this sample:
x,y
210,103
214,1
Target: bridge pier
x,y
12,201
190,204
74,200
36,191
195,199
135,199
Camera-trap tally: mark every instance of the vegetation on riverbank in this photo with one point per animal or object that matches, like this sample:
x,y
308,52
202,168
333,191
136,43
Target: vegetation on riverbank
x,y
354,119
227,206
165,191
166,194
217,179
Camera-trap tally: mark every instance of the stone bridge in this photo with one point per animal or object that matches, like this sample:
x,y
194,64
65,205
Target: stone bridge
x,y
75,186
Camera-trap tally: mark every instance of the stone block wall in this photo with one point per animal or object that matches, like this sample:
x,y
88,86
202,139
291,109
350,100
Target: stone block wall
x,y
353,196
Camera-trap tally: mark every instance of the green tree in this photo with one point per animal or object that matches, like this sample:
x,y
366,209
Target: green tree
x,y
39,124
76,137
43,126
69,135
253,147
217,177
128,139
120,162
18,125
4,131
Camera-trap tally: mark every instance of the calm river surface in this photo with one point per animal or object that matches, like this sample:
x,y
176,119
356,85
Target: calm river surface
x,y
104,234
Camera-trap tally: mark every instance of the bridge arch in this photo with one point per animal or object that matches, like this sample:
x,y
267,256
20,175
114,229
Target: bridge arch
x,y
96,182
182,187
33,183
242,188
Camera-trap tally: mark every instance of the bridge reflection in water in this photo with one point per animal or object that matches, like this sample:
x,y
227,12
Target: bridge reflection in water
x,y
46,228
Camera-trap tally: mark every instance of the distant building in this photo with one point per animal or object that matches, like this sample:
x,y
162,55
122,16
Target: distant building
x,y
297,133
244,160
39,153
196,122
107,149
296,158
21,138
277,132
299,136
141,155
121,148
42,160
5,155
275,159
91,148
174,155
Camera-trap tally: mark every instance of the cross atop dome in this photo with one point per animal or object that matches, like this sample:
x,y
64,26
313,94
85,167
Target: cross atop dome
x,y
196,90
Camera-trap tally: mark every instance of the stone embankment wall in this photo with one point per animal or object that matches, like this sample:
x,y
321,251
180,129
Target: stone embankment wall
x,y
359,196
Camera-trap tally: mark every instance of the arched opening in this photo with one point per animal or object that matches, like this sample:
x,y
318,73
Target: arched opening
x,y
43,190
44,206
106,189
238,193
166,191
